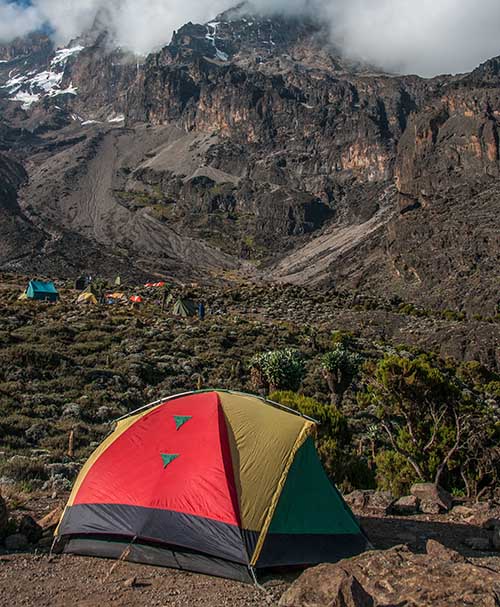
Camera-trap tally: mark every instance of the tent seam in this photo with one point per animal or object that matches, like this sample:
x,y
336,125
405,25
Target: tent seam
x,y
306,431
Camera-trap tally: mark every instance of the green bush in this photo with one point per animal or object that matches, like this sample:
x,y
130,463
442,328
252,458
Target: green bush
x,y
332,422
394,474
280,369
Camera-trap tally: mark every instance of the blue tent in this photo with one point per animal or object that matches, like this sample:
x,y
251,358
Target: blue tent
x,y
42,291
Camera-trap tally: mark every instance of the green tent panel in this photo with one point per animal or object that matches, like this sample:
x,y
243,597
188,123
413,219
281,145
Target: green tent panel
x,y
185,308
42,291
309,511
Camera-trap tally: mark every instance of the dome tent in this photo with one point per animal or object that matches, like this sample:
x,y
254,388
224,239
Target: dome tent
x,y
216,482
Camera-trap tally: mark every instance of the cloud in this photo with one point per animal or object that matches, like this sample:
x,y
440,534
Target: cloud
x,y
17,20
418,36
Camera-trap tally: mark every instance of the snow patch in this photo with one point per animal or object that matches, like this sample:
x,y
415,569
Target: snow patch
x,y
31,87
212,35
117,118
27,99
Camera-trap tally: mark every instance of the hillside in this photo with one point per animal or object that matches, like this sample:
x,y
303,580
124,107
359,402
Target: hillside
x,y
250,147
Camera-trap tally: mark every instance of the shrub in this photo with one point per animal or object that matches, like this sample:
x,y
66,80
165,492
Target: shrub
x,y
279,369
332,422
394,474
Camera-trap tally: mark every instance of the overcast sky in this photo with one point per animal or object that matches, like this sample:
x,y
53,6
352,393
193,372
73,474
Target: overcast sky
x,y
427,37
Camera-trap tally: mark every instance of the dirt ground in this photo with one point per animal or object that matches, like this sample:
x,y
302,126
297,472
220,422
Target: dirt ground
x,y
35,579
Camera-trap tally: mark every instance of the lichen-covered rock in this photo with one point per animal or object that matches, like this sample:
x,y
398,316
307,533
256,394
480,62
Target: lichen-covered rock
x,y
433,498
326,586
441,577
406,505
377,502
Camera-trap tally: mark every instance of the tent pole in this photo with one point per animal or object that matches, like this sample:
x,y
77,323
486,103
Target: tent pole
x,y
156,402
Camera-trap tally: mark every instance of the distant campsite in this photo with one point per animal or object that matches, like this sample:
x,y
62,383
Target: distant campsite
x,y
95,291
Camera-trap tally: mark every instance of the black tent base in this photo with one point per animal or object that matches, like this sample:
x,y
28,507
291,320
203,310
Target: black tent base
x,y
150,554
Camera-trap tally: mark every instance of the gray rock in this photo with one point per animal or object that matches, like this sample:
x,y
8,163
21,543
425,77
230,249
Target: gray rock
x,y
431,493
379,502
329,586
406,505
16,542
430,508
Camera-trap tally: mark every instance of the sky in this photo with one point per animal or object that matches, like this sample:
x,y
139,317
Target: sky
x,y
427,37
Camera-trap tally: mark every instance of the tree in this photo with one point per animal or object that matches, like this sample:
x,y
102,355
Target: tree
x,y
340,367
278,369
425,412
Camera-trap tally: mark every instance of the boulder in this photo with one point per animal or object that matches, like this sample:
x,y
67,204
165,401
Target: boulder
x,y
376,502
441,577
436,550
462,511
432,497
326,586
30,529
16,542
406,505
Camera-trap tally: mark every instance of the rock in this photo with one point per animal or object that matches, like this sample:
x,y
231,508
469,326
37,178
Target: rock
x,y
481,544
51,520
16,542
30,529
429,493
462,511
406,505
130,582
490,523
439,578
326,585
377,502
430,508
436,550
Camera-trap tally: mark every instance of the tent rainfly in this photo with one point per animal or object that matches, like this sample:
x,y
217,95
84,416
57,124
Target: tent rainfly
x,y
216,482
87,297
42,291
185,308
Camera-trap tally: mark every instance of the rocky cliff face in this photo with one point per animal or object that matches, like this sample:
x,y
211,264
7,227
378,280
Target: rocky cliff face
x,y
249,143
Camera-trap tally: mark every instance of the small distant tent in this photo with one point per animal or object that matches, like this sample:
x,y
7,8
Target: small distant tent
x,y
23,296
216,482
116,298
42,291
156,285
87,298
136,299
118,281
184,308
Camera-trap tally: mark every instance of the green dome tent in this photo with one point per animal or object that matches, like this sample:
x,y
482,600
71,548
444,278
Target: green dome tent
x,y
184,308
42,291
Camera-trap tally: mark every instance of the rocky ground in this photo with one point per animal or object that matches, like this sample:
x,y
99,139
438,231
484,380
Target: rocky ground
x,y
418,560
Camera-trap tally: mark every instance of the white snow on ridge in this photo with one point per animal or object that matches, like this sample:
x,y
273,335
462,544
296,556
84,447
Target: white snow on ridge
x,y
31,87
211,35
27,99
63,54
118,118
